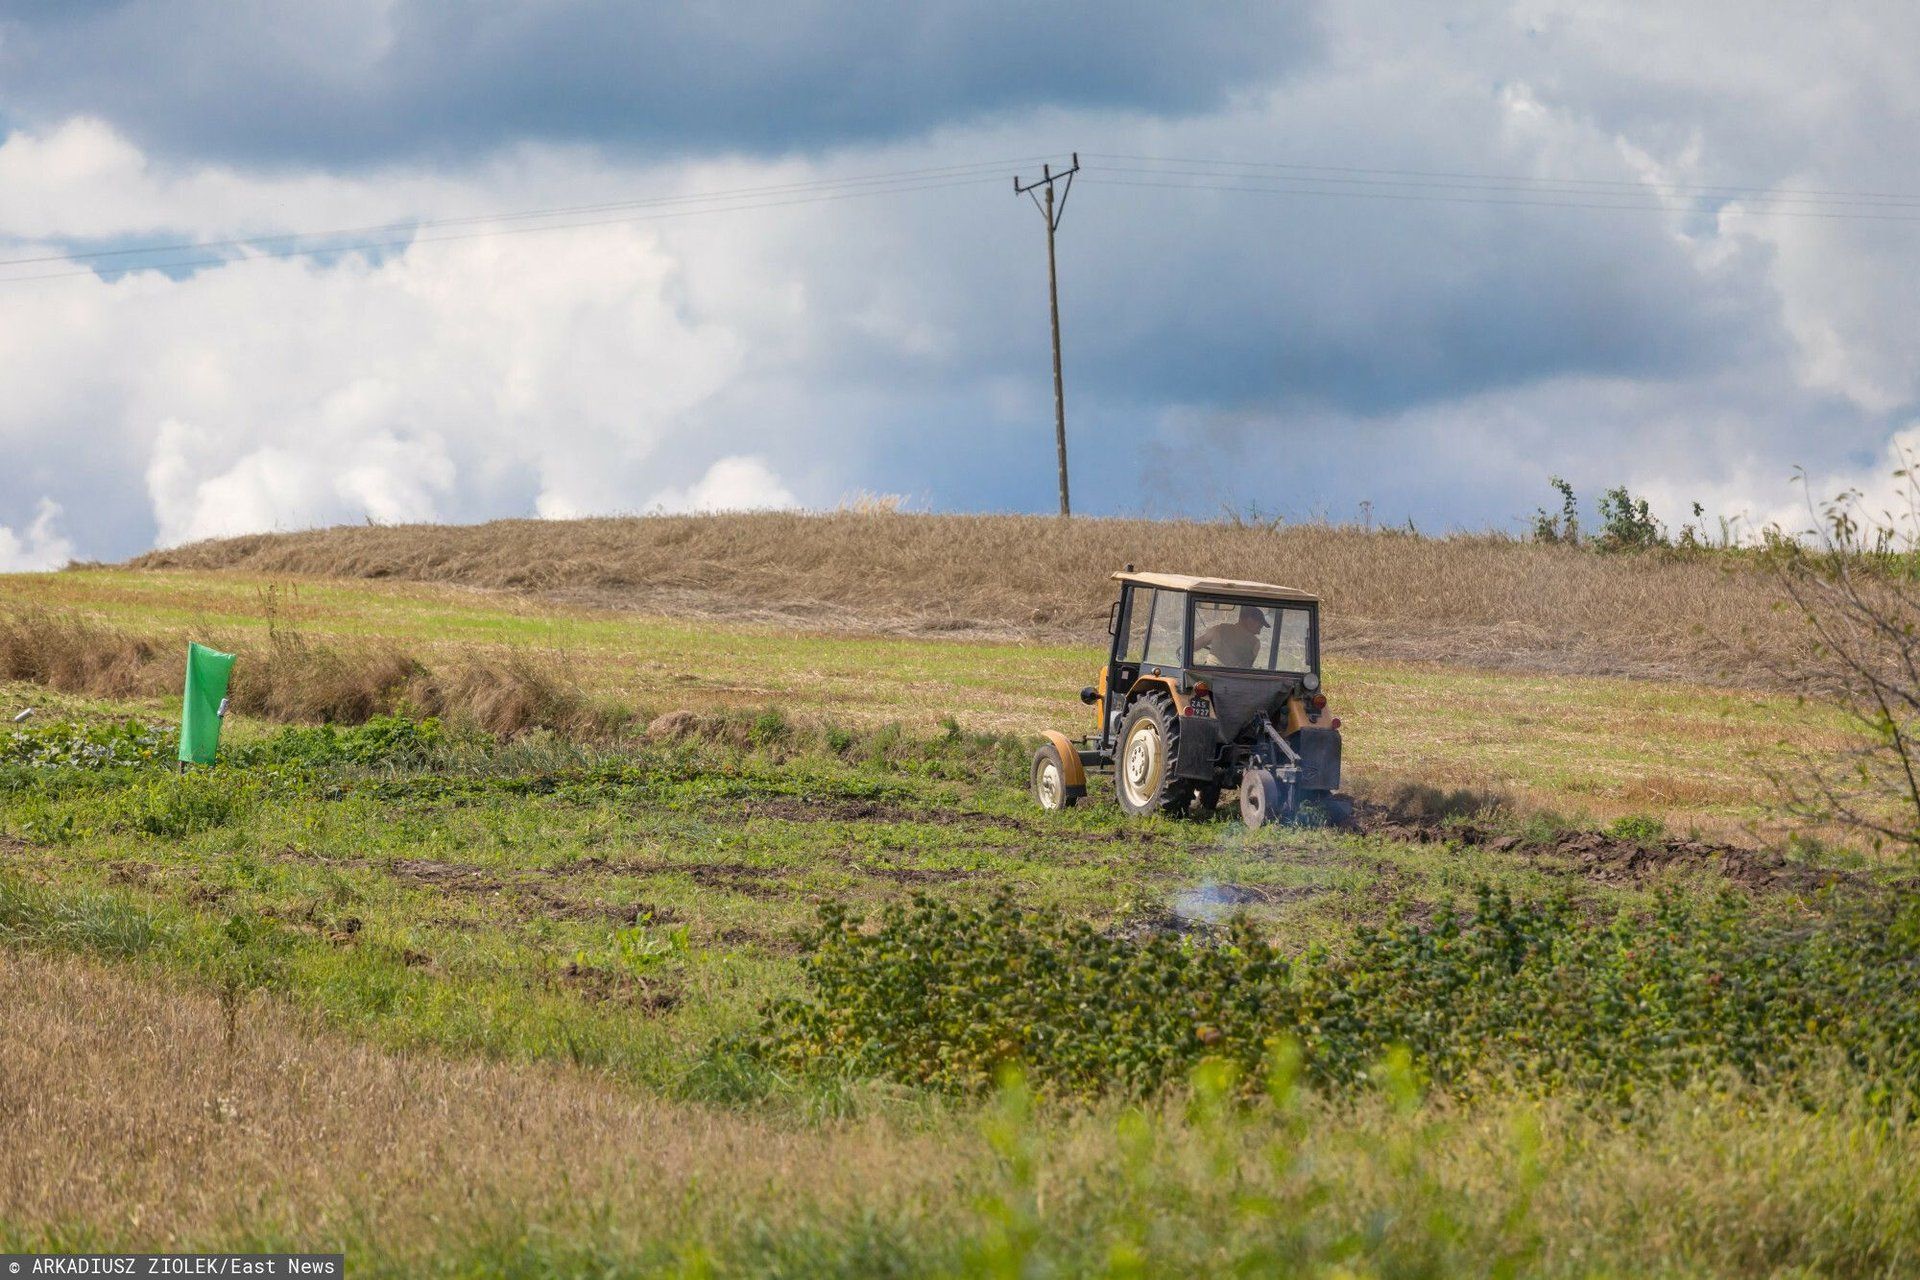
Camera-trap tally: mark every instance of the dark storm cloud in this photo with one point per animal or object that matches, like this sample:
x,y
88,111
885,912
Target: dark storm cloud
x,y
370,80
1255,300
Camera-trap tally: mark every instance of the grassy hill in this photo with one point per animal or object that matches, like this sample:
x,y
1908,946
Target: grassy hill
x,y
1482,601
480,995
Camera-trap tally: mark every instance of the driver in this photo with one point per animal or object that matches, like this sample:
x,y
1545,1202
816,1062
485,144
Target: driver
x,y
1236,643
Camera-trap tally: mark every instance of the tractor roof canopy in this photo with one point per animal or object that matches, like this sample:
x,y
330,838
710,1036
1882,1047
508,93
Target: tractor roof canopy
x,y
1218,586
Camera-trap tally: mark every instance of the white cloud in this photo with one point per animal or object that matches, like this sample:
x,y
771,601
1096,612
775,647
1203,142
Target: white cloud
x,y
1884,494
453,381
731,484
39,546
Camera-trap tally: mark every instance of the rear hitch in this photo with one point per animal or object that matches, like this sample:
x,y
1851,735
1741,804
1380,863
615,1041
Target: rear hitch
x,y
1267,785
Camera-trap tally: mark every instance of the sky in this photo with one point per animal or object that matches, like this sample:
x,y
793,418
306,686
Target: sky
x,y
1383,261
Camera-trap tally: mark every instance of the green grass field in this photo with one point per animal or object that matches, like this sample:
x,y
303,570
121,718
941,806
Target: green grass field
x,y
1600,747
460,1005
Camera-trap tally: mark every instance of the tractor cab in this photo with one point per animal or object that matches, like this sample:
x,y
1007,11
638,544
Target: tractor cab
x,y
1210,684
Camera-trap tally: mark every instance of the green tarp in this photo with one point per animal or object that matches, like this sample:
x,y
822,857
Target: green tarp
x,y
205,700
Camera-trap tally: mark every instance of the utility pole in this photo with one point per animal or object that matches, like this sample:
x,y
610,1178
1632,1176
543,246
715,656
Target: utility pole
x,y
1052,214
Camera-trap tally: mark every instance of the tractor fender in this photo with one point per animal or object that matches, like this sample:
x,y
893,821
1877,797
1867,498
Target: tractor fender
x,y
1149,684
1072,773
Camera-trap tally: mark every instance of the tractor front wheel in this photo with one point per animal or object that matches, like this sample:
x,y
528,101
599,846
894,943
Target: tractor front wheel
x,y
1050,780
1143,768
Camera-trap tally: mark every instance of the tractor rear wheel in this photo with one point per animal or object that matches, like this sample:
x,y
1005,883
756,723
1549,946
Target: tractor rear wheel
x,y
1143,767
1050,780
1260,799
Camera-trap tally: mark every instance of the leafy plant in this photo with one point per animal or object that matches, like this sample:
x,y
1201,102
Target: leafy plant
x,y
73,745
244,955
1533,993
1627,524
646,948
769,729
1640,828
643,949
1563,528
176,807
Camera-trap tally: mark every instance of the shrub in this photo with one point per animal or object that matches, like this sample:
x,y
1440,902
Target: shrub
x,y
1627,524
1535,994
769,729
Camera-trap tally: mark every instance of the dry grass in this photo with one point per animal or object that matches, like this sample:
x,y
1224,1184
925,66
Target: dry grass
x,y
1479,600
130,1112
77,655
290,678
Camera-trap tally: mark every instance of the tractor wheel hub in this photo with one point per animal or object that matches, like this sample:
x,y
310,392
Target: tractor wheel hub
x,y
1140,760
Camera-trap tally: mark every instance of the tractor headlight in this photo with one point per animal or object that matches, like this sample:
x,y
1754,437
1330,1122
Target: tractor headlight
x,y
1310,681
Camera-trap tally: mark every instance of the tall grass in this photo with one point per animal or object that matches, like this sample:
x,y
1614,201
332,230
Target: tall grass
x,y
290,678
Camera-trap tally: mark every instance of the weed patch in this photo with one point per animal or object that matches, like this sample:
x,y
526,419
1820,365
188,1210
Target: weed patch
x,y
383,741
174,808
100,924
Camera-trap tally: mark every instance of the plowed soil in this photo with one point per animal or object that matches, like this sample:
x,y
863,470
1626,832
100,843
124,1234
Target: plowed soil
x,y
1611,859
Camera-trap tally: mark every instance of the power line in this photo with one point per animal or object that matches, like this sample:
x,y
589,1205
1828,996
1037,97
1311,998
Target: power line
x,y
1529,179
1418,196
1543,187
403,242
565,210
1164,172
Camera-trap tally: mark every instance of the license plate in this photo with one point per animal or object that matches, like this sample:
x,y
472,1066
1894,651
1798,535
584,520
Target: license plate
x,y
1200,707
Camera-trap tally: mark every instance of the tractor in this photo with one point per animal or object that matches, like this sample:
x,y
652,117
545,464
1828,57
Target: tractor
x,y
1210,685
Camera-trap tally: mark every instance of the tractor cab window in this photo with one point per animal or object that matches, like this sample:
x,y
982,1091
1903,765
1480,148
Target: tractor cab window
x,y
1168,630
1156,625
1139,610
1251,637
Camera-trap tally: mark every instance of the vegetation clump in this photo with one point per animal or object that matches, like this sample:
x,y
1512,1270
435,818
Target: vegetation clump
x,y
76,745
1529,993
71,744
385,740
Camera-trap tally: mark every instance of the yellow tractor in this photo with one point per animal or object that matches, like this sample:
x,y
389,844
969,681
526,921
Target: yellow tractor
x,y
1210,685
